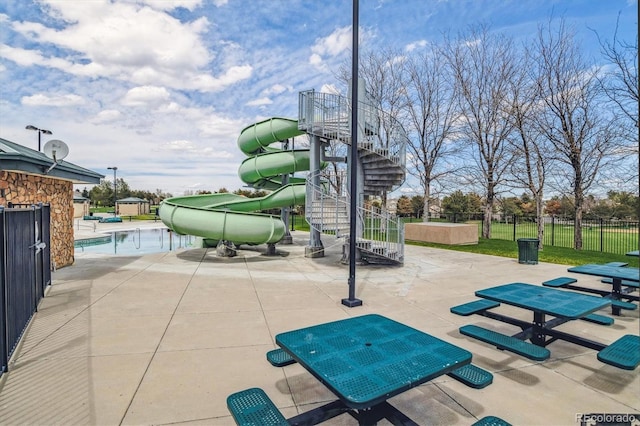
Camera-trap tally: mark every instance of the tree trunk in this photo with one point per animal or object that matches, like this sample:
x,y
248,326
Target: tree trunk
x,y
426,204
486,222
577,222
540,221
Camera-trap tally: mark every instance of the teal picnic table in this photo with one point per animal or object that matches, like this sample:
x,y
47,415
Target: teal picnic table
x,y
620,277
366,360
563,306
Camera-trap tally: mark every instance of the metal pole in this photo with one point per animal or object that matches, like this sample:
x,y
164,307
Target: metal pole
x,y
115,193
115,190
352,301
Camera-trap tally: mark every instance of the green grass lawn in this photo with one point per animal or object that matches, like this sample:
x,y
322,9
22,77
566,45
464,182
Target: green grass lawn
x,y
559,255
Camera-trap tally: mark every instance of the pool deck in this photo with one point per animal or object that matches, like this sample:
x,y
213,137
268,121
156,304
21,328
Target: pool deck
x,y
163,339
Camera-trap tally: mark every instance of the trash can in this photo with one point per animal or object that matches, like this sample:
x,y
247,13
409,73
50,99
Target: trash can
x,y
528,251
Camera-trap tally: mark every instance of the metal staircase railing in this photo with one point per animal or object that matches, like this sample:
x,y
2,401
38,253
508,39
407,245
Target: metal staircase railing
x,y
380,234
326,210
382,152
327,115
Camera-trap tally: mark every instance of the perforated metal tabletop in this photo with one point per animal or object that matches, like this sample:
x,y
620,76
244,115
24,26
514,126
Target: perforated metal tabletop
x,y
615,272
368,359
547,300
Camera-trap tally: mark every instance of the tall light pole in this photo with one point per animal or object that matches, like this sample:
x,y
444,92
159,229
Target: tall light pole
x,y
40,132
352,301
115,189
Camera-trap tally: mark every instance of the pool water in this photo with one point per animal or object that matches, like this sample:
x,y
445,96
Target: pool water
x,y
136,241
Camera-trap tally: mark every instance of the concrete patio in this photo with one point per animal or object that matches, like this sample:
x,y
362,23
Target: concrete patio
x,y
164,338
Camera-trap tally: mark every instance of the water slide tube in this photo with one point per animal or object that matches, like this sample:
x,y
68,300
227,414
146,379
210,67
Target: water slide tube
x,y
231,217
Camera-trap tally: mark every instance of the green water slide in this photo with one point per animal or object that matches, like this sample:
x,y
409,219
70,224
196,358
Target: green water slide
x,y
232,217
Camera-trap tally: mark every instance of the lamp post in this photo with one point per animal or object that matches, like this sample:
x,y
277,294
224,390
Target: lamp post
x,y
352,301
115,189
40,132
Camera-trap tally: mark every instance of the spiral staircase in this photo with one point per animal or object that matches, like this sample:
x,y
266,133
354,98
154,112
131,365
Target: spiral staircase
x,y
381,162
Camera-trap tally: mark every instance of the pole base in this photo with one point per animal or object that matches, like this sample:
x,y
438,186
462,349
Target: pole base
x,y
286,240
352,303
271,249
313,252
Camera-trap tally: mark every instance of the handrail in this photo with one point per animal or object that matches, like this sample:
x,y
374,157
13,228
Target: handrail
x,y
327,115
139,239
380,234
383,141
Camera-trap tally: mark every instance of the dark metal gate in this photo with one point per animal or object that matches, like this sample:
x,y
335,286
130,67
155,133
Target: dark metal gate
x,y
25,271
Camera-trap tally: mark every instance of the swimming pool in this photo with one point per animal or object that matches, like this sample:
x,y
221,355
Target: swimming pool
x,y
136,241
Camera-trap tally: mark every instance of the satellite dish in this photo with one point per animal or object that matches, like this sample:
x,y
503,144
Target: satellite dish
x,y
56,149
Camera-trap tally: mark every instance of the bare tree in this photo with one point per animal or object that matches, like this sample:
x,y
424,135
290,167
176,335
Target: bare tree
x,y
620,84
532,154
483,66
582,135
382,72
431,105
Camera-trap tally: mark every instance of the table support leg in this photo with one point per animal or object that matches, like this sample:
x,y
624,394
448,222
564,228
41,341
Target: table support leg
x,y
384,410
546,329
615,294
320,414
538,336
561,335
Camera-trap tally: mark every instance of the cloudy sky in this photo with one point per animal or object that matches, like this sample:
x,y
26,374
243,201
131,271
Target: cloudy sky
x,y
162,88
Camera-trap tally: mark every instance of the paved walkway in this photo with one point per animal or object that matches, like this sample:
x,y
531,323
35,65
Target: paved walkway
x,y
164,338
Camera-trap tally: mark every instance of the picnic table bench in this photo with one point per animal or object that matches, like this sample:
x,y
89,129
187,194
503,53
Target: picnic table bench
x,y
253,406
563,306
623,280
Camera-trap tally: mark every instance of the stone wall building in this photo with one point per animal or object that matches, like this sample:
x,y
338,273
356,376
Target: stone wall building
x,y
26,178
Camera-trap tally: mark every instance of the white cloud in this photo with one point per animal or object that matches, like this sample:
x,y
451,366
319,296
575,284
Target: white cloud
x,y
315,59
335,43
173,4
329,88
52,100
260,102
21,56
178,145
188,148
276,89
415,45
107,116
332,45
145,95
97,42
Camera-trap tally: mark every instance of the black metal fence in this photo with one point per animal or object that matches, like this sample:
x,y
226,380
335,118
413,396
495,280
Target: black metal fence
x,y
607,236
25,271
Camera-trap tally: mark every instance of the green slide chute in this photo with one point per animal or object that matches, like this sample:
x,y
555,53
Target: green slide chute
x,y
232,217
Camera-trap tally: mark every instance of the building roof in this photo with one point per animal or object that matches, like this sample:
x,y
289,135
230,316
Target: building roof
x,y
132,200
19,158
